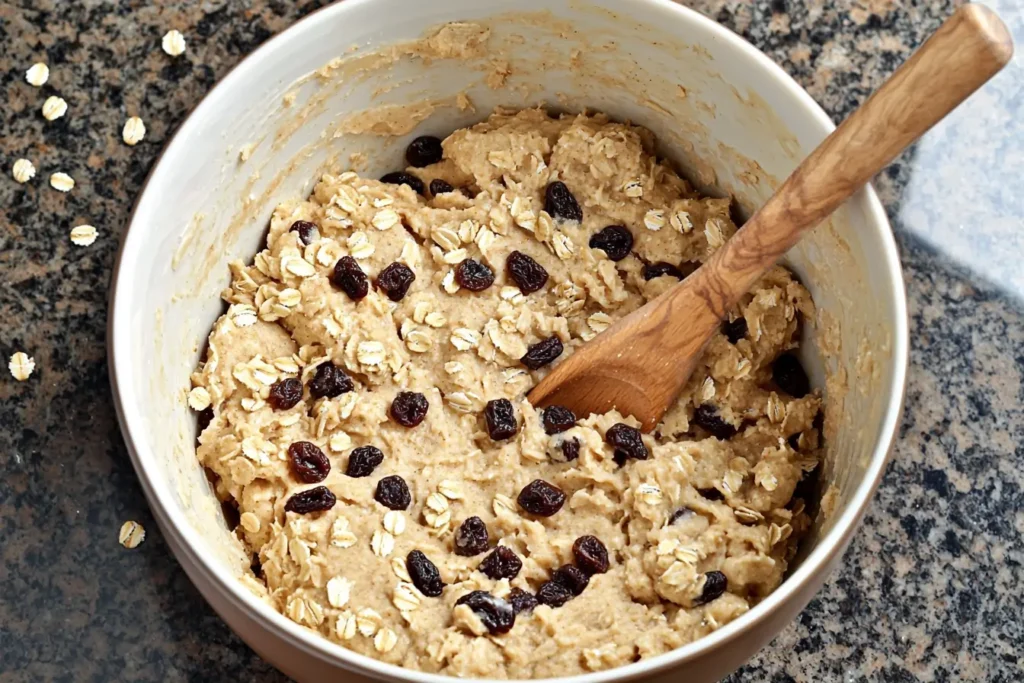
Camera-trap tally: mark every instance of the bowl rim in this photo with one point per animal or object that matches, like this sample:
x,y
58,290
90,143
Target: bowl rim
x,y
832,545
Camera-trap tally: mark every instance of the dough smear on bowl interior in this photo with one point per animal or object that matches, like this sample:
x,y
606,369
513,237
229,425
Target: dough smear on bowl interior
x,y
367,413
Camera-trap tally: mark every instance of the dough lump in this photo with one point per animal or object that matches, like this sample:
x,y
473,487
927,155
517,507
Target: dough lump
x,y
698,505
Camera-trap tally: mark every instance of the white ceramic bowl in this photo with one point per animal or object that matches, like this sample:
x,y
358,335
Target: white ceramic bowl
x,y
728,116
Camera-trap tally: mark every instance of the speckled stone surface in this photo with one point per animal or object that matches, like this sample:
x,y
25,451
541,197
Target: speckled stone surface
x,y
931,587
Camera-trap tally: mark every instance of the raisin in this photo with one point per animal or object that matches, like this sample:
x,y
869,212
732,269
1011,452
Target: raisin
x,y
627,442
501,564
735,330
682,513
528,275
789,375
409,408
590,554
541,498
403,178
363,461
424,151
715,584
392,492
711,493
329,381
571,449
471,537
307,231
205,418
616,241
560,202
653,270
501,419
350,278
438,186
542,353
496,614
395,280
309,464
285,394
522,601
316,499
558,419
573,578
473,275
707,417
554,594
424,574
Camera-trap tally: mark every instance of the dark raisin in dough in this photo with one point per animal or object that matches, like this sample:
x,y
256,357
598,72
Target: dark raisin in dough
x,y
542,353
309,464
409,408
316,499
392,492
395,280
541,498
616,241
590,554
285,394
307,231
528,275
350,278
561,203
495,614
502,563
715,584
363,461
471,537
424,574
706,416
424,151
438,186
403,178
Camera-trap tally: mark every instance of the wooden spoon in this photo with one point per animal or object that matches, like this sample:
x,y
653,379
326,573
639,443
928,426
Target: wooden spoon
x,y
640,364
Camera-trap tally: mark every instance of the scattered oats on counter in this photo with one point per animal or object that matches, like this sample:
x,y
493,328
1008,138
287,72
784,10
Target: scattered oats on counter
x,y
131,535
23,170
173,43
133,132
62,182
83,235
37,74
365,402
21,366
54,107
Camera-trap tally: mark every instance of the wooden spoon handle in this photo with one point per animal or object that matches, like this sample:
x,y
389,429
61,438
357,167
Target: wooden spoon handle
x,y
967,50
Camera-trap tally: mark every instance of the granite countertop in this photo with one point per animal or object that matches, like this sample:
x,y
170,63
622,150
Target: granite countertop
x,y
931,587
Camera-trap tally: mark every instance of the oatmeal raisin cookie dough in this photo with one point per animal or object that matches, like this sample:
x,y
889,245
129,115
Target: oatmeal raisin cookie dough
x,y
696,533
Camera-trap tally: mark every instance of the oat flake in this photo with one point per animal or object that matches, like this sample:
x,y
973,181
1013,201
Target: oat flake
x,y
338,591
199,398
133,132
131,535
23,170
21,366
37,74
173,43
54,107
83,235
62,182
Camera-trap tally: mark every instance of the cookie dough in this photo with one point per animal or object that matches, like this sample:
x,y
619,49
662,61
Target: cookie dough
x,y
696,533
